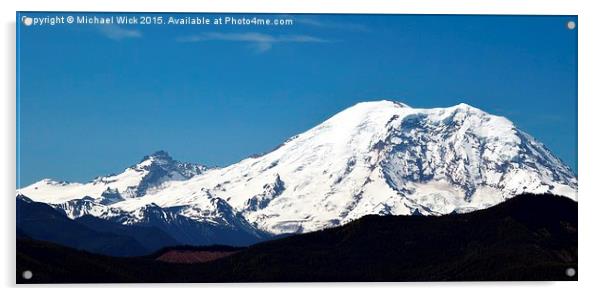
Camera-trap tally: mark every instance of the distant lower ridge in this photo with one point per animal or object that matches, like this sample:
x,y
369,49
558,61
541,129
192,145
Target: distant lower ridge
x,y
529,237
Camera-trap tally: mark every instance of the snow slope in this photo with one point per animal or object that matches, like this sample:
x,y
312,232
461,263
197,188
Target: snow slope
x,y
380,157
145,177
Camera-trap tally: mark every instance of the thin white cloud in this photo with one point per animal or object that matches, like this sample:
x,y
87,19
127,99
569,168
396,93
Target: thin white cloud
x,y
325,24
261,42
116,32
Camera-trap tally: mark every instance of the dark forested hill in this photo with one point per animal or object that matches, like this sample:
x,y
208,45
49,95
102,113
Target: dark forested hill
x,y
529,237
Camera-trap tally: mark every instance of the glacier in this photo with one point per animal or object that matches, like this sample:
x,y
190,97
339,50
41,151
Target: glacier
x,y
376,157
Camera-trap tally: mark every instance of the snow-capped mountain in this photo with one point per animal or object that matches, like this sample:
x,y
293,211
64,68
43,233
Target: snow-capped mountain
x,y
379,157
149,175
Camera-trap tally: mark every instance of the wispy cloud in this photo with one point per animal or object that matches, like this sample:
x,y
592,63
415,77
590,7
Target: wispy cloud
x,y
261,42
327,24
116,32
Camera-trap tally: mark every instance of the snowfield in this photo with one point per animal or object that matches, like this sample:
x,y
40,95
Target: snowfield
x,y
380,157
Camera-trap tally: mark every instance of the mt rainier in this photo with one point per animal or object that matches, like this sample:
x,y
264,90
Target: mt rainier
x,y
380,157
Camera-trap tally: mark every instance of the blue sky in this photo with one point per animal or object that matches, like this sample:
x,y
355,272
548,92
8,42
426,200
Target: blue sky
x,y
96,99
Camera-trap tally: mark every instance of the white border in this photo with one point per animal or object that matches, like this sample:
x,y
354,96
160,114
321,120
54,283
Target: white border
x,y
589,27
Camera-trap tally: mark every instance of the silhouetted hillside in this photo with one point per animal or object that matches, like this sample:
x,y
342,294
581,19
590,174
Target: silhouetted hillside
x,y
41,222
150,237
530,237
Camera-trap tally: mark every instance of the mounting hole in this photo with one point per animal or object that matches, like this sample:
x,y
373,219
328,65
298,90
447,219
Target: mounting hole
x,y
27,274
27,21
570,272
571,25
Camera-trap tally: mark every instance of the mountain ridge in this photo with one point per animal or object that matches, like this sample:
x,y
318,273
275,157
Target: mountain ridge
x,y
529,237
379,157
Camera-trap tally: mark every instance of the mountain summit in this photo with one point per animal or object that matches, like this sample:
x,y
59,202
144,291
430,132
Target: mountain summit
x,y
150,174
159,167
380,157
